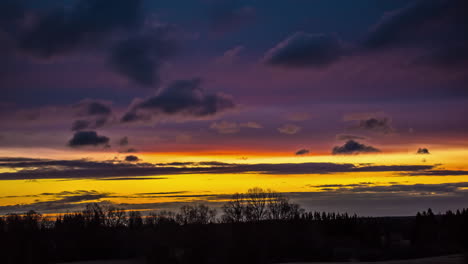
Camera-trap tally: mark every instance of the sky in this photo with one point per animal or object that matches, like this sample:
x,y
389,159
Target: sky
x,y
356,106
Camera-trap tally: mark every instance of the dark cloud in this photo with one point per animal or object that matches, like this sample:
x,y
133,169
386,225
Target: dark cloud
x,y
123,141
133,179
302,152
228,16
94,114
436,26
51,169
77,200
422,151
329,186
62,201
395,168
379,125
133,116
81,198
12,13
87,138
89,124
131,158
418,188
14,159
134,48
80,125
306,50
353,147
140,57
92,108
85,25
434,30
438,173
399,26
64,164
184,98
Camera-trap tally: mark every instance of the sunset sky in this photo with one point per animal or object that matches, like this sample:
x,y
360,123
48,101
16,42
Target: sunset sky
x,y
358,106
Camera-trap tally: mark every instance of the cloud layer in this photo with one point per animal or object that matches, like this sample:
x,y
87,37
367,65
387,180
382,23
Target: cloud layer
x,y
53,169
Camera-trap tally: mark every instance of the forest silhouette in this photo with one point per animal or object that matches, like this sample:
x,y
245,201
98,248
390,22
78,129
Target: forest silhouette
x,y
259,226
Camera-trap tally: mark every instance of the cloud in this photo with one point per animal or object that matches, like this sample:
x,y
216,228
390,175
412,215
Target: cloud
x,y
289,129
92,108
16,159
302,50
131,158
353,147
437,173
225,127
62,201
229,56
133,116
123,141
422,151
71,169
418,188
183,98
87,138
251,124
433,31
379,125
140,57
93,114
435,26
80,125
89,124
12,12
85,25
302,152
399,26
134,47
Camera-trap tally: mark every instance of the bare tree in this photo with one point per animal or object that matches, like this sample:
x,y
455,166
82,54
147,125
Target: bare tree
x,y
94,215
198,214
256,204
234,210
259,204
280,208
160,217
115,217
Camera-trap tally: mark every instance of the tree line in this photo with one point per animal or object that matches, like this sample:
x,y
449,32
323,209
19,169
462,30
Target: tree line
x,y
259,226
